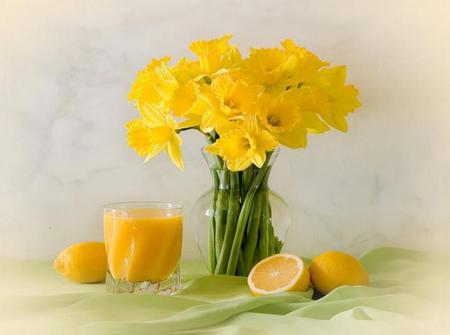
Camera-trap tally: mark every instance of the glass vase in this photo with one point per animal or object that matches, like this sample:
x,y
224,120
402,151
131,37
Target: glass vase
x,y
239,221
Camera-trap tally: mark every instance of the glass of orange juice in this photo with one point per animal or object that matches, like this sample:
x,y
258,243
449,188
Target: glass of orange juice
x,y
143,246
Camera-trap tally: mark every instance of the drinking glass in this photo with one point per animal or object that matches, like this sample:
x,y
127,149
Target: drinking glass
x,y
143,246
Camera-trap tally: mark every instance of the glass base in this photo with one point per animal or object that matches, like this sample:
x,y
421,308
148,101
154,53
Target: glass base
x,y
166,287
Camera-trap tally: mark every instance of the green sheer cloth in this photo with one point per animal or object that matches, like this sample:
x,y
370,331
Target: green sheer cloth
x,y
407,295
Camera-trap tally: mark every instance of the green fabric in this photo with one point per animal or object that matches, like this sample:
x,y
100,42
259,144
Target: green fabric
x,y
407,294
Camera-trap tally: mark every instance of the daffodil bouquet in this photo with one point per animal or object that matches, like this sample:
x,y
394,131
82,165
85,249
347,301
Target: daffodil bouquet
x,y
246,108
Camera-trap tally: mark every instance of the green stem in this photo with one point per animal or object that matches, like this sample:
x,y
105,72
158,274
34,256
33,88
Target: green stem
x,y
264,235
230,227
220,215
247,177
241,267
211,235
212,222
243,217
271,246
264,230
256,258
253,223
220,199
211,245
246,180
263,245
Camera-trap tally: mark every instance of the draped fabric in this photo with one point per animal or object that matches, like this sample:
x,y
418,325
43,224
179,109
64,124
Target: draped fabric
x,y
407,295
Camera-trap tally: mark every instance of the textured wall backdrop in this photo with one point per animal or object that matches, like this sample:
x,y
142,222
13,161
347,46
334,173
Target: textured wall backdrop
x,y
66,68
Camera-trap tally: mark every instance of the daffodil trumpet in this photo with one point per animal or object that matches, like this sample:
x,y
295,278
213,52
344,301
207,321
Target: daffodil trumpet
x,y
246,108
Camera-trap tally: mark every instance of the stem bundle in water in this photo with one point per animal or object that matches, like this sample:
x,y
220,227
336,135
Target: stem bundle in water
x,y
241,231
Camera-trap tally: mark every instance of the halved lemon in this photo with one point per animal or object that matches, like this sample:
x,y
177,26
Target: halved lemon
x,y
278,273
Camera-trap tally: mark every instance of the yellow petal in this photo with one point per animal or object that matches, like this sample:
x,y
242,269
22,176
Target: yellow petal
x,y
211,120
270,67
337,121
232,58
186,70
239,164
153,150
139,137
213,54
294,139
174,152
214,148
265,140
153,115
161,135
313,123
278,114
191,122
221,86
183,99
147,142
155,84
258,157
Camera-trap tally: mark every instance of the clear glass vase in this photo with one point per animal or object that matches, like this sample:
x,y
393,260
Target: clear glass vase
x,y
239,221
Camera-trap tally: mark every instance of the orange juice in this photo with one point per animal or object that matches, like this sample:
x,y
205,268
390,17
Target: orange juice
x,y
142,244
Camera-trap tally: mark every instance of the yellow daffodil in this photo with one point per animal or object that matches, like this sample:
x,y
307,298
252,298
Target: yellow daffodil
x,y
296,137
186,70
216,54
154,132
244,146
229,100
342,98
278,114
184,98
155,84
313,102
235,96
307,63
286,121
271,67
197,115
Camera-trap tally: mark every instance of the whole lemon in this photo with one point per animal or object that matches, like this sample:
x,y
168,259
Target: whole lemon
x,y
83,262
334,268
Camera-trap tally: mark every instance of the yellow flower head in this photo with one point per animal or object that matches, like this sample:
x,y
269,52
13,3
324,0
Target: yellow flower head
x,y
148,136
229,100
287,121
295,138
343,99
247,144
270,67
216,54
307,63
154,84
184,98
235,96
310,98
186,70
278,114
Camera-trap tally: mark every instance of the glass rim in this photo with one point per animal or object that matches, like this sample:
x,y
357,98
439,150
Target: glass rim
x,y
143,204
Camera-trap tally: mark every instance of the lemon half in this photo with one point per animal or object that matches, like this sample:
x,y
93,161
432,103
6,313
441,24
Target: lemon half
x,y
278,273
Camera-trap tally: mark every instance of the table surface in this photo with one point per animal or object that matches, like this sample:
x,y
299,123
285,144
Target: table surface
x,y
407,294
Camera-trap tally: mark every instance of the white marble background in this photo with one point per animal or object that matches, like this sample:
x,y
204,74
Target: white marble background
x,y
66,68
